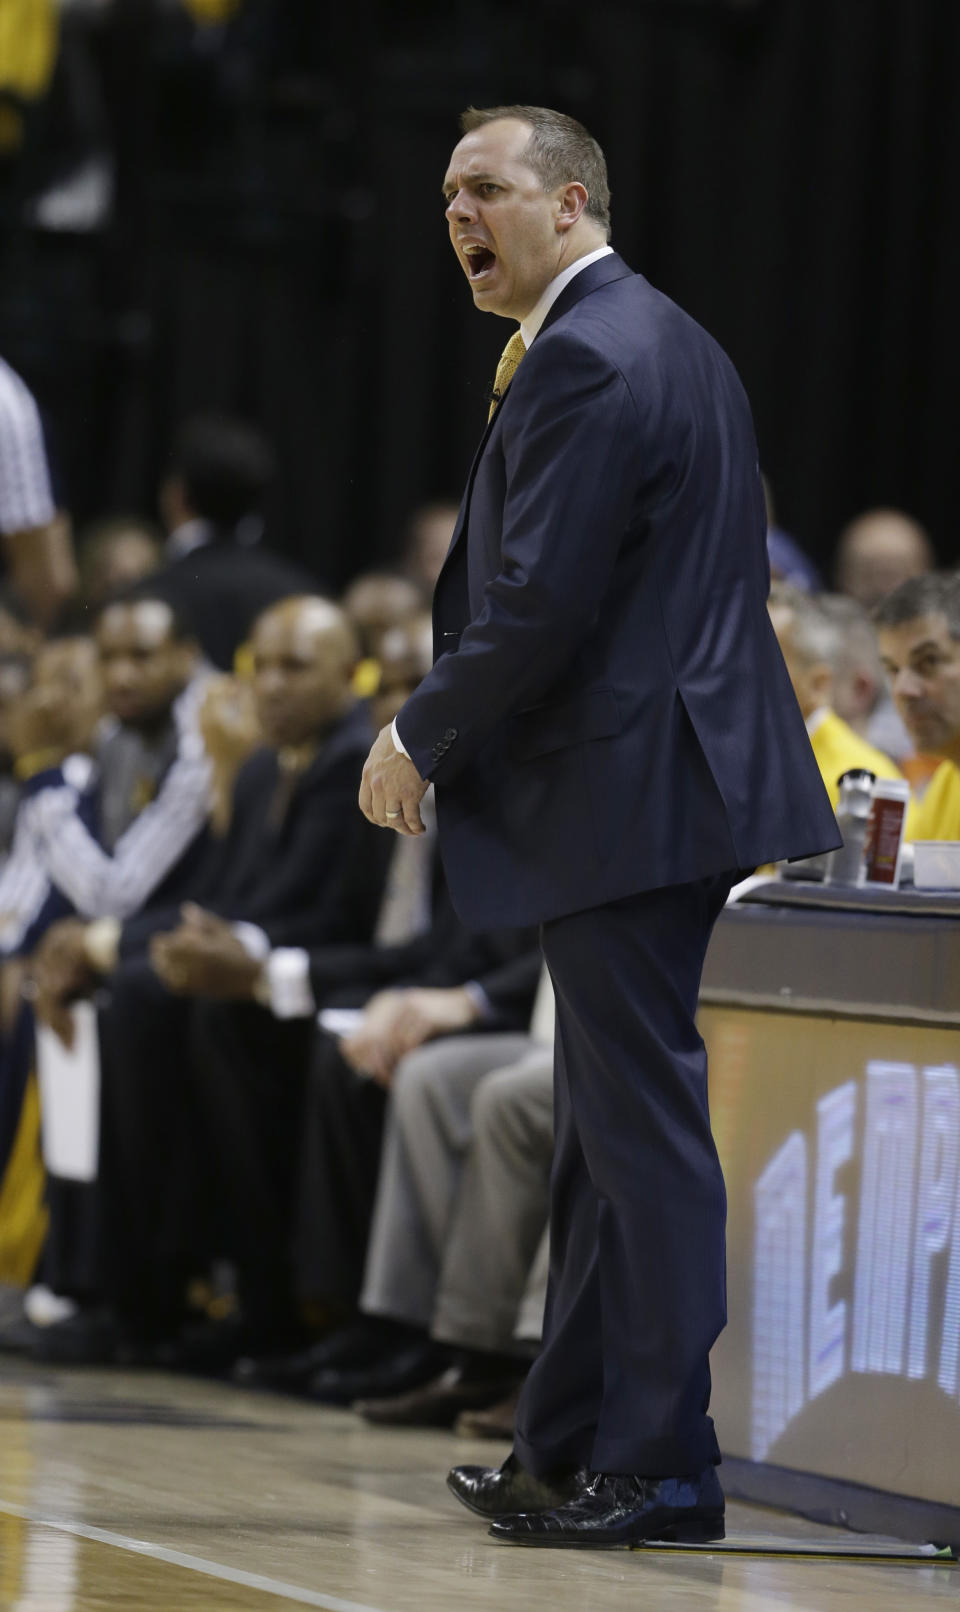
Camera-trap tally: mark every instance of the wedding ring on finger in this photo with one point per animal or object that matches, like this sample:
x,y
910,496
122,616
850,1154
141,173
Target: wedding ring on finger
x,y
393,814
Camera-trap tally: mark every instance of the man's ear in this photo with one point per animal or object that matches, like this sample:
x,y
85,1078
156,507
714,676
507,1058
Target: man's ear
x,y
573,199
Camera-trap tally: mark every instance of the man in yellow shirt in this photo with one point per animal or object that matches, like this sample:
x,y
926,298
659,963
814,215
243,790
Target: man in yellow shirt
x,y
919,631
811,642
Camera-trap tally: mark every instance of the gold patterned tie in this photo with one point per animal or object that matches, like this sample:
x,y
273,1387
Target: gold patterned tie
x,y
507,368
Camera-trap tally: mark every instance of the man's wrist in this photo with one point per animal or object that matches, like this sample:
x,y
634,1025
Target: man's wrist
x,y
399,745
480,1002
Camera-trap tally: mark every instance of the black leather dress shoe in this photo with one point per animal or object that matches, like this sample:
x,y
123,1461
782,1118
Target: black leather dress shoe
x,y
502,1491
614,1510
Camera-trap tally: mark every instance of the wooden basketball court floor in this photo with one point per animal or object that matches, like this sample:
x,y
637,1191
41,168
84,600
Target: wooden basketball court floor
x,y
150,1492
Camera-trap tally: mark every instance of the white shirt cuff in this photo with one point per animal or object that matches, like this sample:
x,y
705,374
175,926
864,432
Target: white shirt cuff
x,y
401,747
481,1001
253,940
287,975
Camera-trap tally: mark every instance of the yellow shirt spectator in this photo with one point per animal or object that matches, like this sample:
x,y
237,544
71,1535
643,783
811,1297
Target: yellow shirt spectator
x,y
838,747
937,815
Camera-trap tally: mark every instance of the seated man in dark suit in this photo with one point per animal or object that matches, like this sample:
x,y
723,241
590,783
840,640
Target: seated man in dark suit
x,y
273,881
219,574
414,975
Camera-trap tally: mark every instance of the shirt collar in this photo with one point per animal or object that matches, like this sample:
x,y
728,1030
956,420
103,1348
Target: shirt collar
x,y
189,535
530,327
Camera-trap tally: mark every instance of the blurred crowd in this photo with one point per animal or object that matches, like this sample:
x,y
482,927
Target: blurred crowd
x,y
322,1108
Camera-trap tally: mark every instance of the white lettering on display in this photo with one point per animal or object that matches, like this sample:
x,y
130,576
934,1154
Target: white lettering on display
x,y
780,1237
886,1218
904,1246
939,1152
950,1341
835,1116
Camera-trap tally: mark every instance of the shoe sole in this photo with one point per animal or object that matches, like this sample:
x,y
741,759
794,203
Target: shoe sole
x,y
704,1531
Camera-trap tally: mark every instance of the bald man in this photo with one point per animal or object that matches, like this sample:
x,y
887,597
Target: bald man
x,y
878,551
273,883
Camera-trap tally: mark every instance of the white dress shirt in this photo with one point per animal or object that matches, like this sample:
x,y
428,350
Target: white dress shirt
x,y
529,330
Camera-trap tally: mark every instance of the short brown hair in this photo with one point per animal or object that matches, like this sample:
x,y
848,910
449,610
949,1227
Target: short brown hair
x,y
559,151
937,593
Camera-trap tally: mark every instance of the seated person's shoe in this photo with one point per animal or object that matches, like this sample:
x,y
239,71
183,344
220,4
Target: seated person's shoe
x,y
437,1404
502,1491
90,1337
354,1347
211,1347
499,1421
396,1373
618,1510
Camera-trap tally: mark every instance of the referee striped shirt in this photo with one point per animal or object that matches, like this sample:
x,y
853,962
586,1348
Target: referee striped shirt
x,y
26,496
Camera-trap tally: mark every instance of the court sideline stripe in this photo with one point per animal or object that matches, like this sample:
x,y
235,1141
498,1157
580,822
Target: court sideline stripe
x,y
194,1564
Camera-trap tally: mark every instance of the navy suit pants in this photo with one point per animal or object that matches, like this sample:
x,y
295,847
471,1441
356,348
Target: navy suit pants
x,y
637,1290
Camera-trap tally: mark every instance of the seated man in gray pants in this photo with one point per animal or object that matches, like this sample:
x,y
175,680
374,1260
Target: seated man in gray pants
x,y
461,1209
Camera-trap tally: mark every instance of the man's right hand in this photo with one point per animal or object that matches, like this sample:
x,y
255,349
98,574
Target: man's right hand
x,y
60,966
60,971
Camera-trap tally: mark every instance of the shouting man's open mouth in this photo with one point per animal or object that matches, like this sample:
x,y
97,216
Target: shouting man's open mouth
x,y
480,261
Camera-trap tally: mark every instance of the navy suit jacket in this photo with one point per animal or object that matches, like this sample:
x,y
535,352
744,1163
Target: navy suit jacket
x,y
609,711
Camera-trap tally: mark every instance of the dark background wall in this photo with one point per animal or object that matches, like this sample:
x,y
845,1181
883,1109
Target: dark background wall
x,y
786,169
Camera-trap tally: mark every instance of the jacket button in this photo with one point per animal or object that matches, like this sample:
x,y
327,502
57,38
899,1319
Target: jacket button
x,y
450,735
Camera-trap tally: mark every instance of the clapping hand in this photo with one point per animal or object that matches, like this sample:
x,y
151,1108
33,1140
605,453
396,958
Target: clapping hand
x,y
203,957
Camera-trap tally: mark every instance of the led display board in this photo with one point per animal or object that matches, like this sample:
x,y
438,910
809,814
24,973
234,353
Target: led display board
x,y
840,1141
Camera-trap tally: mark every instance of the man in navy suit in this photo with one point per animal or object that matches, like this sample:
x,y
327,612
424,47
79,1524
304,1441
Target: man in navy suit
x,y
613,737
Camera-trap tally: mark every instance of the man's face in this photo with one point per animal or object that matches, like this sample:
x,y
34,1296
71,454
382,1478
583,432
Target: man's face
x,y
144,666
302,666
123,561
503,225
405,658
377,604
430,537
66,697
922,662
879,554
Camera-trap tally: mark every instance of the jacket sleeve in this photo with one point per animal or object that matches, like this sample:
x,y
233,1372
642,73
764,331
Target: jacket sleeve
x,y
571,448
510,987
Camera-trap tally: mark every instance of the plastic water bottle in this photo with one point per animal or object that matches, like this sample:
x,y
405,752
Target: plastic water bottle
x,y
853,809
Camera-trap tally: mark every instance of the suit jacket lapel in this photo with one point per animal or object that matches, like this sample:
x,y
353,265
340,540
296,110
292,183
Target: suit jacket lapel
x,y
603,272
